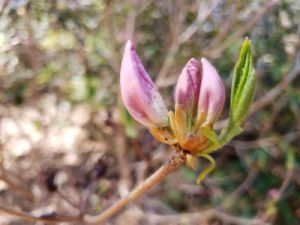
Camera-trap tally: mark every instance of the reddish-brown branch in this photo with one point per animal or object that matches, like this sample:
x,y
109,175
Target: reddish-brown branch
x,y
174,162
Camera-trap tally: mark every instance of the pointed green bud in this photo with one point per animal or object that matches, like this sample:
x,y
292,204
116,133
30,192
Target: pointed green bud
x,y
243,85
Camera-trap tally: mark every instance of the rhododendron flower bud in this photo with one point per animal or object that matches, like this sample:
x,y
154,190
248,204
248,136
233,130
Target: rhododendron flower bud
x,y
199,100
212,93
140,96
188,86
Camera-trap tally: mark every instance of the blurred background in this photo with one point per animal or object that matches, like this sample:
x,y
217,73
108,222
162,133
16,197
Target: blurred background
x,y
68,146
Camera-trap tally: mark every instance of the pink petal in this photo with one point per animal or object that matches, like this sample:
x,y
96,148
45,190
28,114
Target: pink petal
x,y
140,96
212,92
188,86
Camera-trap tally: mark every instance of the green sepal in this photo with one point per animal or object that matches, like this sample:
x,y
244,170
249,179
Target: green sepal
x,y
226,135
210,148
207,169
229,132
210,134
191,161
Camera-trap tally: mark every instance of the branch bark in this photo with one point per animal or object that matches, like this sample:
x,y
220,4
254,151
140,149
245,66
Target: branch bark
x,y
173,163
52,219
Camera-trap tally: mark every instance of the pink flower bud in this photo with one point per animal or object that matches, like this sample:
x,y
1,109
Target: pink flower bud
x,y
140,96
212,93
188,86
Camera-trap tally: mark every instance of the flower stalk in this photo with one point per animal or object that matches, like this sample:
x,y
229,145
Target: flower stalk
x,y
177,160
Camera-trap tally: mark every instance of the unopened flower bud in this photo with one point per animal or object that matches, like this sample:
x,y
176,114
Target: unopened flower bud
x,y
188,87
140,96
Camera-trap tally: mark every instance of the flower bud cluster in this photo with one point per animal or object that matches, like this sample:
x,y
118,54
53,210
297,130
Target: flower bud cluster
x,y
199,100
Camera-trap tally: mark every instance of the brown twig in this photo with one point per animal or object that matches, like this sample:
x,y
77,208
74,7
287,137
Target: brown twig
x,y
225,26
130,22
52,219
174,44
202,217
8,179
3,4
173,163
123,164
282,85
213,53
243,187
264,142
286,181
278,89
287,178
16,187
67,200
204,10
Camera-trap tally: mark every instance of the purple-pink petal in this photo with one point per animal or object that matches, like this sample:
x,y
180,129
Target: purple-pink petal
x,y
212,92
139,94
188,86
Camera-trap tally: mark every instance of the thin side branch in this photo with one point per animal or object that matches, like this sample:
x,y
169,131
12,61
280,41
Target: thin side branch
x,y
203,217
173,163
52,219
3,4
